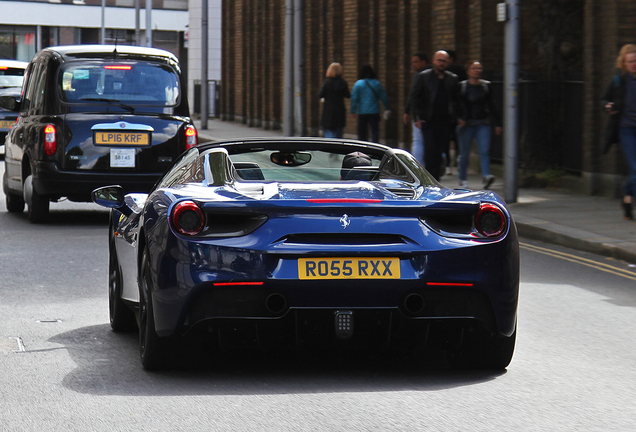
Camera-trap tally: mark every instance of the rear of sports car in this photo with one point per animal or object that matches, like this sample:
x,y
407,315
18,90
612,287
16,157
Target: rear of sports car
x,y
312,268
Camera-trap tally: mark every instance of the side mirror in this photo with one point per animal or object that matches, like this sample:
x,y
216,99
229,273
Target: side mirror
x,y
10,103
109,196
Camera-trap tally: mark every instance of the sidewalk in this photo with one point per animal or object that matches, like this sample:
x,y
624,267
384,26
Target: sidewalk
x,y
588,223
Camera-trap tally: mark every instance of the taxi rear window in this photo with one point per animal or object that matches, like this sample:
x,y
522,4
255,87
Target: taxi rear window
x,y
133,83
11,77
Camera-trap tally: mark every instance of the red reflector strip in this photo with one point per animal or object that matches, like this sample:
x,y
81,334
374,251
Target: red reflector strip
x,y
342,200
118,67
449,284
236,283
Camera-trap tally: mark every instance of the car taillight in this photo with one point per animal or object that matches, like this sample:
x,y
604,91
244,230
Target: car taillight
x,y
490,220
50,140
192,138
187,218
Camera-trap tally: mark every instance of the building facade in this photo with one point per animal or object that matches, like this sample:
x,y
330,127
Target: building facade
x,y
26,26
568,50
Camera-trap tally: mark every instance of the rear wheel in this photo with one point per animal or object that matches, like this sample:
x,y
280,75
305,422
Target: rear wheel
x,y
15,203
121,317
37,205
156,352
500,354
493,353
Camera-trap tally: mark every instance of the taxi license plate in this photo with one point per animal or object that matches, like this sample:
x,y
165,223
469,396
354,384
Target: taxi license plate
x,y
349,268
122,138
122,158
6,124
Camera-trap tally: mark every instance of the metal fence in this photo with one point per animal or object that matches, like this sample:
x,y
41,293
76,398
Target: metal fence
x,y
550,124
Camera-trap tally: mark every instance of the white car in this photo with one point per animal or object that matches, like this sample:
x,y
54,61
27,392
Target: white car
x,y
11,77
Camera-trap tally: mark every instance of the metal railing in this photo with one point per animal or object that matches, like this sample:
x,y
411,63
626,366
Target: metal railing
x,y
551,124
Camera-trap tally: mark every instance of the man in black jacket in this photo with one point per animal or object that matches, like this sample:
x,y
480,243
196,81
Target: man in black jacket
x,y
434,95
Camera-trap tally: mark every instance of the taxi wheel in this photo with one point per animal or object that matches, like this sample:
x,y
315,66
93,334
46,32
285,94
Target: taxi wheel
x,y
155,352
121,317
15,203
37,205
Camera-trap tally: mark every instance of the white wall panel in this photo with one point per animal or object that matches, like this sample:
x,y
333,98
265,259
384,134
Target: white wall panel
x,y
63,15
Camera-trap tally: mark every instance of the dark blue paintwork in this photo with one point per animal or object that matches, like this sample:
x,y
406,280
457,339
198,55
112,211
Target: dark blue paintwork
x,y
184,268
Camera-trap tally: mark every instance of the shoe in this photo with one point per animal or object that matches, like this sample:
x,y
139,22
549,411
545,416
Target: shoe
x,y
487,181
463,183
449,171
627,208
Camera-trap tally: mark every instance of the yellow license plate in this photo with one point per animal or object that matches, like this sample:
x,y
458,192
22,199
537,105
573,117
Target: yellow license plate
x,y
122,138
349,268
6,124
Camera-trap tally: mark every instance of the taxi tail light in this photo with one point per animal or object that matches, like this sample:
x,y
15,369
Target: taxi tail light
x,y
50,140
490,220
192,137
187,218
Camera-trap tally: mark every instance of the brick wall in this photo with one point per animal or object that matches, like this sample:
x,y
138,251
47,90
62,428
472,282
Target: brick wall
x,y
385,34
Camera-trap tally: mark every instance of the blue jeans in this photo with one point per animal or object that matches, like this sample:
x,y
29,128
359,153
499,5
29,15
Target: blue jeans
x,y
627,137
333,133
466,135
417,147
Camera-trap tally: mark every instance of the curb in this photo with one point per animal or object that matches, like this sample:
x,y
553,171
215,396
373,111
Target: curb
x,y
573,238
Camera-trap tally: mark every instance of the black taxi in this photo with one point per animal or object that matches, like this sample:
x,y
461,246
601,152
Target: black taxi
x,y
90,116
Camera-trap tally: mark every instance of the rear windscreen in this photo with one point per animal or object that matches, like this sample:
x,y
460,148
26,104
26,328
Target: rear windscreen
x,y
133,83
11,77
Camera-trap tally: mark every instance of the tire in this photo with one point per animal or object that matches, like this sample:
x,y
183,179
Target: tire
x,y
488,353
15,203
121,317
155,352
37,205
500,353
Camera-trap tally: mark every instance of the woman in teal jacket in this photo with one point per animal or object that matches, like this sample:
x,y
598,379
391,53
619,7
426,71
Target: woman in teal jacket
x,y
365,97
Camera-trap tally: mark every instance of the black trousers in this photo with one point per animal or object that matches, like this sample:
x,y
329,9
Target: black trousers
x,y
437,136
366,120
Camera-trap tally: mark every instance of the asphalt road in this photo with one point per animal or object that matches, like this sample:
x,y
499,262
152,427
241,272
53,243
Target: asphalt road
x,y
62,369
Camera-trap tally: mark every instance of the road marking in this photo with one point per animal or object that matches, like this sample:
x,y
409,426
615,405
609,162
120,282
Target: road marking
x,y
628,274
12,344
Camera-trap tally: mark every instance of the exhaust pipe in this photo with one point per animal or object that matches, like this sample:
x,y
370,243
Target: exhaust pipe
x,y
414,303
276,303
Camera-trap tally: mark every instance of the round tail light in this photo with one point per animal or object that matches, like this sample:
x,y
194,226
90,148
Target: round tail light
x,y
192,138
50,140
490,220
187,218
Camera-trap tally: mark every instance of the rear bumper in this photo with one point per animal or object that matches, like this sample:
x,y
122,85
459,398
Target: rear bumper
x,y
53,183
368,329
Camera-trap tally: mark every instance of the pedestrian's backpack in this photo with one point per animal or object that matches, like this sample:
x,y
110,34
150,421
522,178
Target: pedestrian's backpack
x,y
484,84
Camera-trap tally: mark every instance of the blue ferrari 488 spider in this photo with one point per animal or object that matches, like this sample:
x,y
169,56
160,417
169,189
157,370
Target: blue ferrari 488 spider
x,y
312,243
